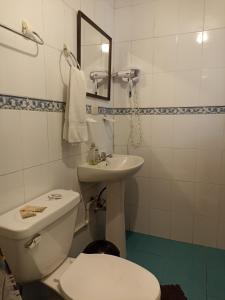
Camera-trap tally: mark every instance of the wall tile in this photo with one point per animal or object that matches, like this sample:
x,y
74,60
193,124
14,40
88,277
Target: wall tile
x,y
166,17
162,163
163,89
162,130
75,4
214,14
10,137
36,181
191,15
146,153
184,164
160,192
208,197
182,227
185,135
123,22
142,55
35,139
213,49
212,87
70,21
205,231
165,50
144,12
28,77
187,88
12,191
183,197
53,28
189,52
210,132
122,56
121,130
208,166
160,223
55,70
144,91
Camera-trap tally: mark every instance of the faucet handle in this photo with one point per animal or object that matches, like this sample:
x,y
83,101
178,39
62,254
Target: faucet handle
x,y
103,155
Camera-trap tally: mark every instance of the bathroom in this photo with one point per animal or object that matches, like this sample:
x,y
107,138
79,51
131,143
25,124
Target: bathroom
x,y
172,117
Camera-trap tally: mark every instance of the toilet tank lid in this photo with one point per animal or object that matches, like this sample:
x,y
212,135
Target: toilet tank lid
x,y
12,225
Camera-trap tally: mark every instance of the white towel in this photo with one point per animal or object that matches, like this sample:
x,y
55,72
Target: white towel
x,y
75,125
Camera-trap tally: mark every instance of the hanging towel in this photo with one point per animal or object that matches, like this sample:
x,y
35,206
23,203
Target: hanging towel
x,y
75,125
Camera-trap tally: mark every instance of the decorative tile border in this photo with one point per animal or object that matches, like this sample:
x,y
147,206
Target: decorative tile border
x,y
32,104
191,110
21,103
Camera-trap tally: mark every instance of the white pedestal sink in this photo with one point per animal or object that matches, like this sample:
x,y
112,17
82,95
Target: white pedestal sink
x,y
113,171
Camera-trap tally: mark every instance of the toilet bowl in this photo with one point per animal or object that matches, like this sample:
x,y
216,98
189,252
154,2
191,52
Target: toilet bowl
x,y
37,249
101,277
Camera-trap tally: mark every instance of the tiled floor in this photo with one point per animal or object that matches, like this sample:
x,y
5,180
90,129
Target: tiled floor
x,y
200,271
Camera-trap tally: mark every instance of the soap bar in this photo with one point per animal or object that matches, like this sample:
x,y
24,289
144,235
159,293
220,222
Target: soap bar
x,y
30,208
27,214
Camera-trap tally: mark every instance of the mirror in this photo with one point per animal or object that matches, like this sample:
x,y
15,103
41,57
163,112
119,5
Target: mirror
x,y
94,54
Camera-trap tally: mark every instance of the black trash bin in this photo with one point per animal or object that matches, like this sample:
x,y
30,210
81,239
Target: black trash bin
x,y
102,246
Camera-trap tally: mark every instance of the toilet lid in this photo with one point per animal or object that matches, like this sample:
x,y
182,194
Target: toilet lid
x,y
106,277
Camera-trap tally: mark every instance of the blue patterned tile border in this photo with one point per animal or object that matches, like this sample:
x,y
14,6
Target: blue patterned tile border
x,y
191,110
21,103
24,103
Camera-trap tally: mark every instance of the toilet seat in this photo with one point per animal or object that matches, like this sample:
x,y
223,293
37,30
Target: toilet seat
x,y
101,277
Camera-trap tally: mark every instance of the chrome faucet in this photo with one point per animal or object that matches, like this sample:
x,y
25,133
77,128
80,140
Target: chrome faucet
x,y
104,156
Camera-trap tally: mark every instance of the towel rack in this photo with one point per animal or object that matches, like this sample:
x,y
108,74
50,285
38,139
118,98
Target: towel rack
x,y
26,33
70,57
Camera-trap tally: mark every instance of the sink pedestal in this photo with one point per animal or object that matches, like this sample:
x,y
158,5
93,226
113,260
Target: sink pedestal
x,y
115,218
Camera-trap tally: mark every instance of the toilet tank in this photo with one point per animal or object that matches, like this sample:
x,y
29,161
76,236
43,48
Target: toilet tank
x,y
36,246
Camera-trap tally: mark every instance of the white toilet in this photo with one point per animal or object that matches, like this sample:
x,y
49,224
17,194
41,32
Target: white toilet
x,y
37,249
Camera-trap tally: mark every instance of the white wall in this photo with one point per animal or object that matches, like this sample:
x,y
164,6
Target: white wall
x,y
33,158
180,191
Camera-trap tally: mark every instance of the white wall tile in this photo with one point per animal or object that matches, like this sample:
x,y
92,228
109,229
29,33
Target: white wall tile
x,y
123,23
160,192
183,197
214,14
10,137
187,88
122,56
184,164
35,138
144,91
144,12
162,130
146,153
53,28
55,70
191,15
213,49
70,22
142,55
162,163
212,87
75,4
182,227
121,130
210,132
205,231
208,197
189,52
165,50
36,181
166,17
209,166
185,131
12,191
160,223
163,89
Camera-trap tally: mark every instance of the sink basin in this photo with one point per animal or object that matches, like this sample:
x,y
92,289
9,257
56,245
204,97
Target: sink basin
x,y
113,169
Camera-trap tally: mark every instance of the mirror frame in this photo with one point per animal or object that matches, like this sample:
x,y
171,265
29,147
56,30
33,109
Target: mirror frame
x,y
81,16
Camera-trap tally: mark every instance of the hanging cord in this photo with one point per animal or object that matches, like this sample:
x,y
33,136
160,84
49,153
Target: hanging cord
x,y
135,135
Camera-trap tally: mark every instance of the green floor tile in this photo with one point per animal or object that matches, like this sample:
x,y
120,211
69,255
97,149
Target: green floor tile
x,y
216,277
153,263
